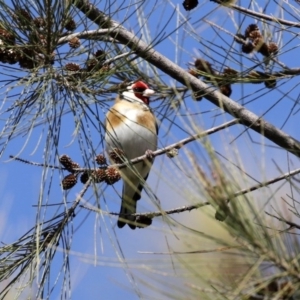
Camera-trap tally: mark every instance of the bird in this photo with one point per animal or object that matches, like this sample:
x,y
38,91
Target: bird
x,y
132,128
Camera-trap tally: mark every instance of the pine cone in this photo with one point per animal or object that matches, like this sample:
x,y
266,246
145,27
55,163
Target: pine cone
x,y
23,16
92,64
116,155
250,29
75,165
12,56
261,46
7,37
273,48
74,42
203,66
99,175
189,4
270,84
255,35
247,48
72,67
226,90
100,159
84,177
112,175
70,24
264,50
100,55
69,181
68,163
28,58
39,22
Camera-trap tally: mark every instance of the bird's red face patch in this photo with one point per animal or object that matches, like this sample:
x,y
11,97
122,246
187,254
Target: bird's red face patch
x,y
138,89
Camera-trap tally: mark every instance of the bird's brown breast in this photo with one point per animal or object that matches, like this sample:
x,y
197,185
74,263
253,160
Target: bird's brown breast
x,y
123,111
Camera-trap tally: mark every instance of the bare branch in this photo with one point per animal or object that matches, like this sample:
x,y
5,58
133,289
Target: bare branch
x,y
146,51
196,206
258,15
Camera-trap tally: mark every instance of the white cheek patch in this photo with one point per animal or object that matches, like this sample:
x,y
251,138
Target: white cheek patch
x,y
129,96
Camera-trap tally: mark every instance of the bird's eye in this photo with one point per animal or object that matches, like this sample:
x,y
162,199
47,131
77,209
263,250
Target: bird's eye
x,y
138,90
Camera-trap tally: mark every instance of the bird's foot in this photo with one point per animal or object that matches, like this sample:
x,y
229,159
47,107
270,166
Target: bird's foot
x,y
149,154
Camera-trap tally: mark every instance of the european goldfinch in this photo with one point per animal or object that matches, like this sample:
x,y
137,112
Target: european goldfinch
x,y
131,127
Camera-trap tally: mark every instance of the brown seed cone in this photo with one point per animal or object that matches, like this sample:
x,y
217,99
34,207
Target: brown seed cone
x,y
28,59
70,24
100,55
203,66
23,16
261,46
143,221
39,22
105,68
26,63
189,4
99,175
38,40
250,29
10,56
69,181
247,48
7,37
229,71
84,177
264,49
255,35
75,165
273,48
100,159
270,84
226,90
92,64
240,38
67,162
72,67
3,56
13,56
112,175
116,155
74,42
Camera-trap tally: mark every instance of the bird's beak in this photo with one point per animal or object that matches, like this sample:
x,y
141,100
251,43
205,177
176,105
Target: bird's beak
x,y
148,92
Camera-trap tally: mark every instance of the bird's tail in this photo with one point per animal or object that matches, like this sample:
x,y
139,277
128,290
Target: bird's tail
x,y
128,207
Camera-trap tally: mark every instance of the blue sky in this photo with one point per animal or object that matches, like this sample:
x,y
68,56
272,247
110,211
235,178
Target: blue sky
x,y
98,246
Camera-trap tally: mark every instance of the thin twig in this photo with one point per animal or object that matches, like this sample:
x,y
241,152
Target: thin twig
x,y
230,106
196,206
291,224
158,152
258,15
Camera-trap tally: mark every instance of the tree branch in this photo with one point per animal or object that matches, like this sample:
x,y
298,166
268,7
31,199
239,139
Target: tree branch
x,y
258,15
158,152
146,52
198,205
